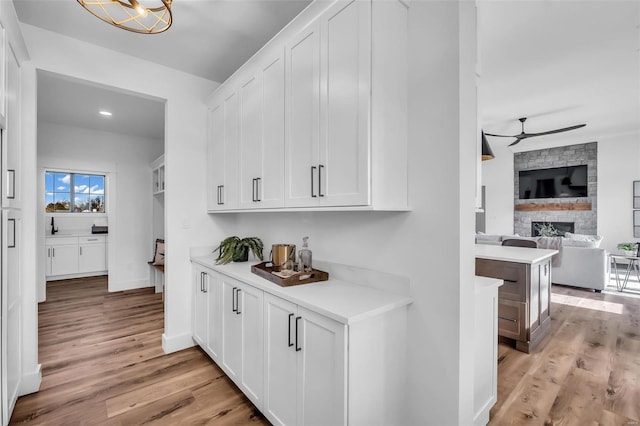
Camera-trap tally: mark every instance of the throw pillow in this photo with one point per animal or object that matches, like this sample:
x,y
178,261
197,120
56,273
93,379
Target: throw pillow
x,y
158,256
568,242
595,239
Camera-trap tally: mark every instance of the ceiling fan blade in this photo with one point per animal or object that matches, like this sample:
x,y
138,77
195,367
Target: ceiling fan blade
x,y
550,132
515,142
500,136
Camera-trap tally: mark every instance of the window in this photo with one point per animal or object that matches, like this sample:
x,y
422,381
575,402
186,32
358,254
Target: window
x,y
86,191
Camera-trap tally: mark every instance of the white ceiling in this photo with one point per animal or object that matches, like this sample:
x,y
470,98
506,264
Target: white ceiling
x,y
208,38
558,62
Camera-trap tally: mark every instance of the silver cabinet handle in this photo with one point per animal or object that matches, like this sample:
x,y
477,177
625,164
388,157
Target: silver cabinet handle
x,y
13,244
11,178
313,169
507,319
320,167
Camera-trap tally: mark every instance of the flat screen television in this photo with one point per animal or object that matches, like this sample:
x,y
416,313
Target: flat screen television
x,y
557,182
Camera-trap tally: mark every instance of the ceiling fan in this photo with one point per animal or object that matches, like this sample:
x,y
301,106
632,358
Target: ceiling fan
x,y
524,135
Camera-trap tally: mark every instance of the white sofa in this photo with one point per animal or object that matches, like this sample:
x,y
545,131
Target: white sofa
x,y
581,264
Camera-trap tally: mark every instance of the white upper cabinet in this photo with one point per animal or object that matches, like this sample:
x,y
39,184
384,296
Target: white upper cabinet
x,y
325,126
11,135
262,134
3,76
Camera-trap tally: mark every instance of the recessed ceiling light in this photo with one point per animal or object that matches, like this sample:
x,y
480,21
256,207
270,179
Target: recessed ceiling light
x,y
106,113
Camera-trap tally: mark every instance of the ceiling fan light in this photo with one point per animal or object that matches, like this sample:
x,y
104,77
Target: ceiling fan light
x,y
131,15
487,152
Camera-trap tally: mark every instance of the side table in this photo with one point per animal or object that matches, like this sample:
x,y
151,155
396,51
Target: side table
x,y
632,263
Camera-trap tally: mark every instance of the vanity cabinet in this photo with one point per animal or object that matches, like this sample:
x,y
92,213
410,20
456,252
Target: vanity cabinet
x,y
318,118
75,256
524,300
305,361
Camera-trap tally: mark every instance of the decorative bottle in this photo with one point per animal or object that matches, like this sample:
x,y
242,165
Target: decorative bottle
x,y
304,256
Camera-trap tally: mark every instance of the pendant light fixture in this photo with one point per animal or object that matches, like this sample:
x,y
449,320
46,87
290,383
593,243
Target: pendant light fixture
x,y
139,16
487,153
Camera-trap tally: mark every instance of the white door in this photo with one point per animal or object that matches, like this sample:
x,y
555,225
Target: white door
x,y
12,305
11,146
280,365
322,362
93,258
200,281
64,259
344,158
231,330
250,307
214,320
215,158
302,81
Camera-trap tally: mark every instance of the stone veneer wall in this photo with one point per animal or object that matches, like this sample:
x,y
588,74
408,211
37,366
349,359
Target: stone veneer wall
x,y
573,155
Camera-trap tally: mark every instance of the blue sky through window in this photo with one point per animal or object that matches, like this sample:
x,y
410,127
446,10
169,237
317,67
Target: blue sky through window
x,y
86,191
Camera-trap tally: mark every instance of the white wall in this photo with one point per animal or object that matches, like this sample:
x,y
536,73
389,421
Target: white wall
x,y
126,162
187,224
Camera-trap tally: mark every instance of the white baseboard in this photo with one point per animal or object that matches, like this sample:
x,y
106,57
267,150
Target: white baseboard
x,y
30,382
129,285
176,343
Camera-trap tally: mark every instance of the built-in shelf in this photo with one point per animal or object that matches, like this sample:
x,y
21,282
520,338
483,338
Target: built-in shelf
x,y
158,176
552,207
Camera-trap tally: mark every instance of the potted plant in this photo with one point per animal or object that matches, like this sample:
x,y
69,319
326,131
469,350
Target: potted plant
x,y
235,249
629,249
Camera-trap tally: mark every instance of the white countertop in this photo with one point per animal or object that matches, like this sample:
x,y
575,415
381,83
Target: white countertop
x,y
486,283
339,300
513,254
74,234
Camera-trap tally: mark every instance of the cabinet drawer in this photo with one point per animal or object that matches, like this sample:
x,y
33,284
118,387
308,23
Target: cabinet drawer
x,y
92,240
512,319
513,274
61,241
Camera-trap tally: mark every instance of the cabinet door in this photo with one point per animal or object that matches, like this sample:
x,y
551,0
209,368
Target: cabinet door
x,y
92,258
344,158
199,306
545,290
64,259
280,363
231,330
262,135
322,358
215,157
214,318
3,78
303,116
230,187
250,304
11,136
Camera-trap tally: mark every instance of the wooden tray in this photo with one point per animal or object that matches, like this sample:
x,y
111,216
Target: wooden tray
x,y
264,271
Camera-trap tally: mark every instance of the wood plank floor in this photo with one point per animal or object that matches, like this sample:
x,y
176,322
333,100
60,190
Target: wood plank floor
x,y
103,364
586,373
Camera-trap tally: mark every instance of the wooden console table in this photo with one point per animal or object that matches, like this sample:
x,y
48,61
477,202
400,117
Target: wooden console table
x,y
524,301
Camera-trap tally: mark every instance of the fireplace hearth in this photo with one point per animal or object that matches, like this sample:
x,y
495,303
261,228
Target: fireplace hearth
x,y
561,227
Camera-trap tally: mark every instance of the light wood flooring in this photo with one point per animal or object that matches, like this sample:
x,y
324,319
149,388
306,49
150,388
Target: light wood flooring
x,y
586,373
103,364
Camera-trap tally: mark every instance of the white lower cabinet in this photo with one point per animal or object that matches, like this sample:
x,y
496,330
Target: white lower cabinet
x,y
320,363
92,255
75,256
305,361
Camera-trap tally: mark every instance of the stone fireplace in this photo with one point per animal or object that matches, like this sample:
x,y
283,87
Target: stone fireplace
x,y
582,212
561,227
